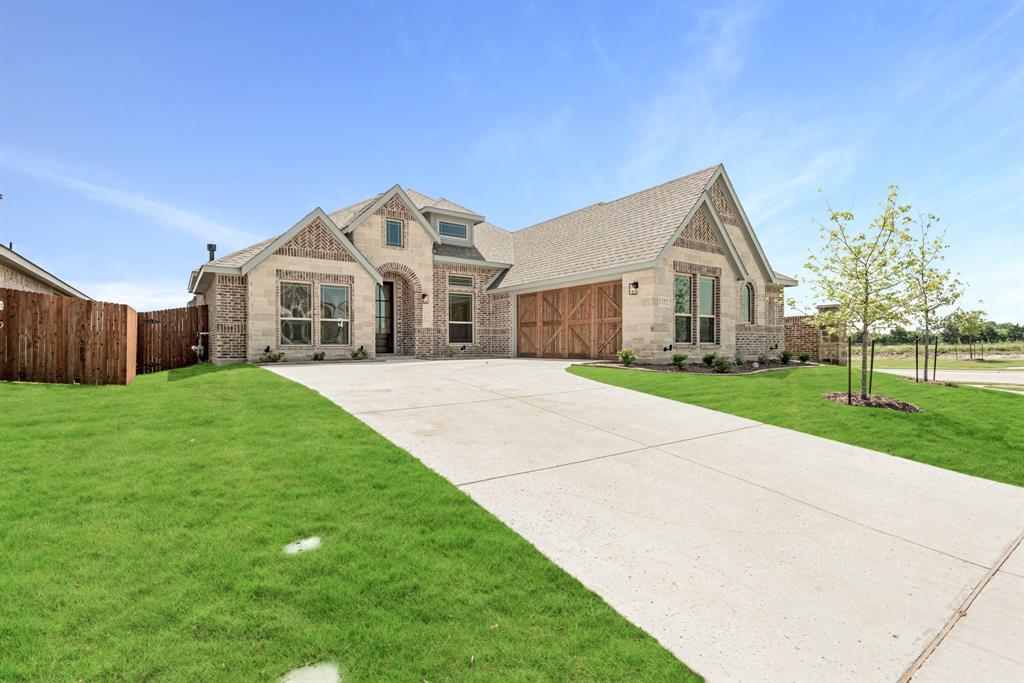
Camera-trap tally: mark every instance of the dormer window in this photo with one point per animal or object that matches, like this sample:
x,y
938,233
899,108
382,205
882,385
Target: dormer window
x,y
456,230
393,233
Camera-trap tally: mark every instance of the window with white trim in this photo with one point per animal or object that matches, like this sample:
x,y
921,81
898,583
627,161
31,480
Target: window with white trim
x,y
460,318
747,302
706,309
684,314
334,315
456,230
296,313
393,233
460,281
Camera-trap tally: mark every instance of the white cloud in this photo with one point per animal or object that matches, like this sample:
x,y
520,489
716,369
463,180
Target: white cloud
x,y
170,217
508,140
142,295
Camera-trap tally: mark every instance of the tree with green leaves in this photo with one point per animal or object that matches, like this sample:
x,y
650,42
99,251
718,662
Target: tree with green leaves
x,y
969,325
863,273
930,287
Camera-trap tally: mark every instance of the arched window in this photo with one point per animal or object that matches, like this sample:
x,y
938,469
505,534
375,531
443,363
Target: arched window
x,y
747,302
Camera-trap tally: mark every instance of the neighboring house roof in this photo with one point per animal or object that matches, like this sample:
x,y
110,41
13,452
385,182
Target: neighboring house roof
x,y
16,261
785,280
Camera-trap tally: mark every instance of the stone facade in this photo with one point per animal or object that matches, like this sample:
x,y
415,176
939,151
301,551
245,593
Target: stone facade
x,y
15,279
492,315
649,316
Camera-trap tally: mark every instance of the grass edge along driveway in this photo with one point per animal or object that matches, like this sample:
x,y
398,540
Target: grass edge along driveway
x,y
967,430
141,538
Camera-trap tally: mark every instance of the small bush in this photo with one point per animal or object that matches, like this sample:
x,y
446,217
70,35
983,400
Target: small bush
x,y
763,359
709,358
722,364
449,351
739,359
627,357
679,360
360,354
805,357
271,356
785,356
319,355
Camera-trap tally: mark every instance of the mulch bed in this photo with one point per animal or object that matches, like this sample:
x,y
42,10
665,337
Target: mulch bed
x,y
701,369
872,402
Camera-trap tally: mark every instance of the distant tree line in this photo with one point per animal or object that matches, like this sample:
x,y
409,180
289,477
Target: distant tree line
x,y
952,331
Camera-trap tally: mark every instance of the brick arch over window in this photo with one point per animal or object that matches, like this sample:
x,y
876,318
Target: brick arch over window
x,y
408,305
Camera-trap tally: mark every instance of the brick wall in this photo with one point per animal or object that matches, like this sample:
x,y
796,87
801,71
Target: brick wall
x,y
492,317
228,303
15,279
804,337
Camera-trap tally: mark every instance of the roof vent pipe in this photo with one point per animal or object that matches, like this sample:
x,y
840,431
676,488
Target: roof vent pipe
x,y
212,248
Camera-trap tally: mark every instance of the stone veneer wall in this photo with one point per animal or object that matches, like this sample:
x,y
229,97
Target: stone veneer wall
x,y
492,317
752,340
15,279
802,336
227,301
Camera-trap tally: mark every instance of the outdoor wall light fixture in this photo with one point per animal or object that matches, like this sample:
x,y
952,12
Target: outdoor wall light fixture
x,y
425,298
634,287
667,348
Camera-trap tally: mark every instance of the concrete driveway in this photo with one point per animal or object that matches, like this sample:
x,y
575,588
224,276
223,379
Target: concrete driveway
x,y
751,552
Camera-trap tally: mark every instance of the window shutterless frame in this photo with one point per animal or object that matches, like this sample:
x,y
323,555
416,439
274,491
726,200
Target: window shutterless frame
x,y
334,315
393,232
458,231
460,318
684,312
295,313
706,308
460,281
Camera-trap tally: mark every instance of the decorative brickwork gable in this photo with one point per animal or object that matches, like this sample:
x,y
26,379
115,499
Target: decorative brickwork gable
x,y
720,198
394,208
317,242
699,235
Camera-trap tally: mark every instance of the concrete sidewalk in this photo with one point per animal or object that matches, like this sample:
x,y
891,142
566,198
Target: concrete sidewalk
x,y
751,552
966,376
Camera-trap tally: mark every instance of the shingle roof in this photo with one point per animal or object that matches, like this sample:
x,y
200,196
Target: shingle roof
x,y
239,258
631,229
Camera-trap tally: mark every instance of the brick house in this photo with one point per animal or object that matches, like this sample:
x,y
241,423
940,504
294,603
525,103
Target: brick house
x,y
17,272
675,268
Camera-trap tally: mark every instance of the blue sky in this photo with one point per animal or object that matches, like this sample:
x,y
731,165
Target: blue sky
x,y
133,134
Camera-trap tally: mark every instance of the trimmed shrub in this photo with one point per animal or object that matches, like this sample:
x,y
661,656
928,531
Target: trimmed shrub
x,y
319,355
627,357
785,356
360,354
709,358
679,360
739,359
722,364
805,357
271,356
763,359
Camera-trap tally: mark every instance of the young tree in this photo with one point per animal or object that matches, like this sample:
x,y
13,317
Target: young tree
x,y
863,273
930,287
970,325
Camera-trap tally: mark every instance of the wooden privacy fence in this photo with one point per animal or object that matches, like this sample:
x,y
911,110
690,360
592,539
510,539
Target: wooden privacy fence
x,y
166,338
50,338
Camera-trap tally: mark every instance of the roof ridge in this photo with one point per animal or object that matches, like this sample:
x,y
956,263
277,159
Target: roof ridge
x,y
239,251
618,199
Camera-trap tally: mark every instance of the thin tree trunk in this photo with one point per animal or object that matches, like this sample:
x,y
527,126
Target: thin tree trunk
x,y
926,348
864,364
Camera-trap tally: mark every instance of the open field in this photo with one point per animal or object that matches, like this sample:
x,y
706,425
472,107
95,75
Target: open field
x,y
142,539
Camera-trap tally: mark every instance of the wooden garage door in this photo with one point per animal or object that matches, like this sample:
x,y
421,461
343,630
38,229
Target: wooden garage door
x,y
573,322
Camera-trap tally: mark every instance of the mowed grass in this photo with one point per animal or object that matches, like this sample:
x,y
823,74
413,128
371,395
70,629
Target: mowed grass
x,y
974,431
141,531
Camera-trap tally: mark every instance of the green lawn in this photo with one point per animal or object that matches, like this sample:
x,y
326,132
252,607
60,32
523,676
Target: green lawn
x,y
141,531
969,430
945,363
